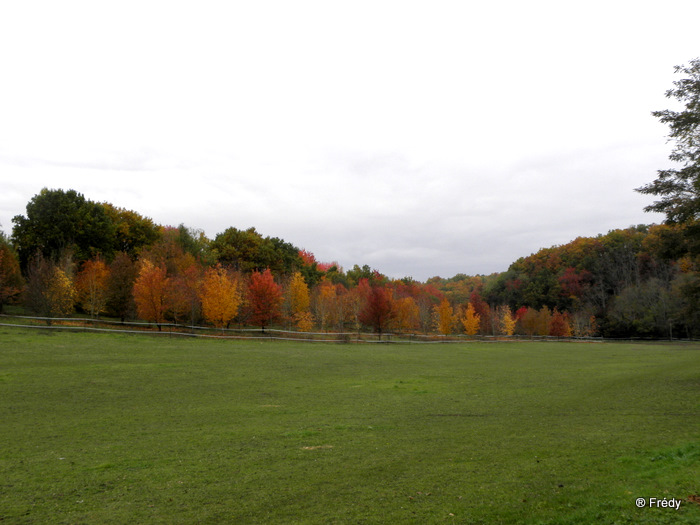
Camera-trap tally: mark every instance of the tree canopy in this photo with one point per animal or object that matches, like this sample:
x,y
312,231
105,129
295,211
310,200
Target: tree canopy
x,y
58,221
679,189
638,281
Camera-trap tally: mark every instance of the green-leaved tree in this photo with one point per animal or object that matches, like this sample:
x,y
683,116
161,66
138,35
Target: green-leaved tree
x,y
679,189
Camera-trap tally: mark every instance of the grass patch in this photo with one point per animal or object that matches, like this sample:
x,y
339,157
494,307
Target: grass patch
x,y
105,428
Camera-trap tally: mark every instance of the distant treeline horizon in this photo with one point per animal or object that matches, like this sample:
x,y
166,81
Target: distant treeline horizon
x,y
636,281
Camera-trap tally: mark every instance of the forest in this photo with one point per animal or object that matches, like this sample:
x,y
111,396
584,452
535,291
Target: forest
x,y
69,255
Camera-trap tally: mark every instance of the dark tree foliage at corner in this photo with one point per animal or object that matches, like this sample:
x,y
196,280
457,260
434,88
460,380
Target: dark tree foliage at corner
x,y
679,189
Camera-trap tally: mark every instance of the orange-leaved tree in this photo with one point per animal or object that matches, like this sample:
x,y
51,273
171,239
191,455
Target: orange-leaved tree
x,y
325,304
444,317
407,317
264,298
559,324
220,296
91,285
151,292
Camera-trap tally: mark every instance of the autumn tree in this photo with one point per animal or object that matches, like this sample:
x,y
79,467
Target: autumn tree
x,y
120,285
10,276
508,321
444,317
310,268
344,307
528,321
265,298
60,293
308,258
299,299
299,302
325,305
407,314
91,286
220,296
50,292
544,316
559,324
184,291
483,310
355,299
377,309
471,320
151,292
166,251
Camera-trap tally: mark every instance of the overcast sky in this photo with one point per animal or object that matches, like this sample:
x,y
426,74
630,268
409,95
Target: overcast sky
x,y
420,138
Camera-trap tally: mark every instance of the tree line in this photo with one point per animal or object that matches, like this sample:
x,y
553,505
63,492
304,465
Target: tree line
x,y
639,281
71,253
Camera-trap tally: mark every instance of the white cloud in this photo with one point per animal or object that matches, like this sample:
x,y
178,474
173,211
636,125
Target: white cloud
x,y
418,138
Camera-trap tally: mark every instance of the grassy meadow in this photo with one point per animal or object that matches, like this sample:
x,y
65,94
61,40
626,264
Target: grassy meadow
x,y
116,428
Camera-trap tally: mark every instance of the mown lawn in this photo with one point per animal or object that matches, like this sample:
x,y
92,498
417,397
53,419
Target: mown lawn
x,y
101,428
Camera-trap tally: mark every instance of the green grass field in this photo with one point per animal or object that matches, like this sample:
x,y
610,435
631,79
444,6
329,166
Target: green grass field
x,y
102,428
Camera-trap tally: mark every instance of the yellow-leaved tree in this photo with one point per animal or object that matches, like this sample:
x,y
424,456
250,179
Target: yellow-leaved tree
x,y
508,321
60,293
220,296
50,292
91,286
471,320
299,302
325,305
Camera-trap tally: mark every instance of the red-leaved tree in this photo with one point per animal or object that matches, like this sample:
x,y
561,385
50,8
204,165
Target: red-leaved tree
x,y
377,310
264,298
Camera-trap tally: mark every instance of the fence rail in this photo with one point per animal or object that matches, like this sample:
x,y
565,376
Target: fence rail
x,y
180,330
86,324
